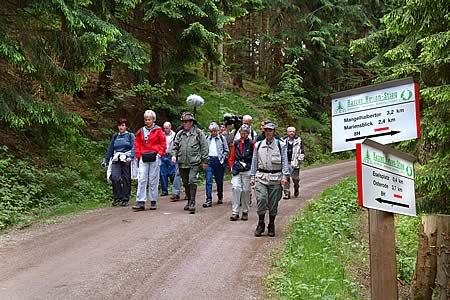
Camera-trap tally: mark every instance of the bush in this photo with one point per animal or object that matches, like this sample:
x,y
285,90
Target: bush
x,y
72,174
21,188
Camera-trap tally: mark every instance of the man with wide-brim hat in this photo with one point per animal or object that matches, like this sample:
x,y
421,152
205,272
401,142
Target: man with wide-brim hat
x,y
190,150
269,172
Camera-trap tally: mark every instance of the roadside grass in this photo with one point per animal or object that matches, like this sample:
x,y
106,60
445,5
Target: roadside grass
x,y
320,245
325,255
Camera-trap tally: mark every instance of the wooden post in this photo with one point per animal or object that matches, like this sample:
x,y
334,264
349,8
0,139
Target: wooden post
x,y
383,266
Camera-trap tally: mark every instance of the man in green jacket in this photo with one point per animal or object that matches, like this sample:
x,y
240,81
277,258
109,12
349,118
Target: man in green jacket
x,y
190,150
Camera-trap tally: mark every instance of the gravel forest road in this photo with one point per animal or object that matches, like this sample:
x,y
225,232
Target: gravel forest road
x,y
114,253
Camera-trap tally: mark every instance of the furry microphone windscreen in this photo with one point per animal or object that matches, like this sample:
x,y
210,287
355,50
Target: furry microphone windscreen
x,y
195,100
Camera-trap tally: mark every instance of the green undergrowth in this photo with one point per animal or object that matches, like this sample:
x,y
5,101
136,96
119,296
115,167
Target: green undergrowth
x,y
407,240
327,249
69,180
321,244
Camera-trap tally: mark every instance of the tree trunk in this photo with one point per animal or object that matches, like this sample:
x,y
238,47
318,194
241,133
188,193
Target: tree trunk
x,y
219,68
442,289
250,47
156,62
205,69
211,72
426,264
263,43
237,68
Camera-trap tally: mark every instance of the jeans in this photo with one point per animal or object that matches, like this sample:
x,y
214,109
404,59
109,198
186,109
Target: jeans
x,y
148,180
176,185
167,171
241,192
217,170
121,180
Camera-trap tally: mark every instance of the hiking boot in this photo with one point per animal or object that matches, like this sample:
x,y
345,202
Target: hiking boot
x,y
124,203
193,192
260,229
116,202
152,205
220,201
140,205
174,198
244,217
208,203
192,207
296,192
234,217
271,230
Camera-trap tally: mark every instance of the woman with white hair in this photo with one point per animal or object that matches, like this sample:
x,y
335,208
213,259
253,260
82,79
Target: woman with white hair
x,y
150,146
218,153
240,162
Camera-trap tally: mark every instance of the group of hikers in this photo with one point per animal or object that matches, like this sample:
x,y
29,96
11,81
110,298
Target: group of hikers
x,y
155,156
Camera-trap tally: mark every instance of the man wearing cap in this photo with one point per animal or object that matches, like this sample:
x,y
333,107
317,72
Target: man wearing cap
x,y
269,172
190,150
218,153
295,153
240,162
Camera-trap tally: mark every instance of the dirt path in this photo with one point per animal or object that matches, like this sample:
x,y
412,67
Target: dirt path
x,y
114,253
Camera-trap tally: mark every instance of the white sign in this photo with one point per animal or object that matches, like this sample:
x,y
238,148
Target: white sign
x,y
385,178
386,113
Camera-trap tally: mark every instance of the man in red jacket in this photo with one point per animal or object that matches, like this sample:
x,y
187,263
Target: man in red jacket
x,y
150,146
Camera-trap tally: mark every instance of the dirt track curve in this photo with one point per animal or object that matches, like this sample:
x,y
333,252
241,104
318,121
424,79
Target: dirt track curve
x,y
114,253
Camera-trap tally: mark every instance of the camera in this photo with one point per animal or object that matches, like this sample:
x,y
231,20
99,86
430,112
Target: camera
x,y
235,120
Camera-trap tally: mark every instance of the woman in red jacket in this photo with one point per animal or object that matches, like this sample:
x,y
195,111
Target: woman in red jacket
x,y
150,146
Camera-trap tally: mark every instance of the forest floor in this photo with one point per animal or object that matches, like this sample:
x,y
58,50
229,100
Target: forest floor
x,y
115,253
